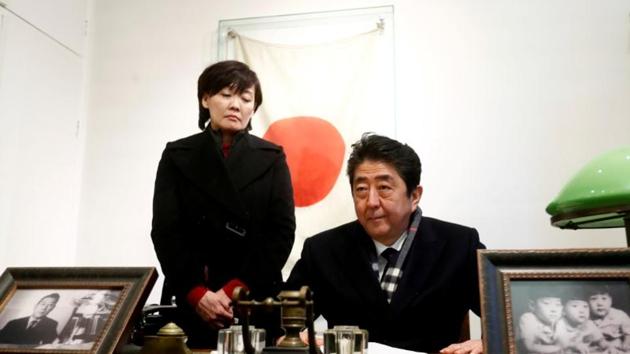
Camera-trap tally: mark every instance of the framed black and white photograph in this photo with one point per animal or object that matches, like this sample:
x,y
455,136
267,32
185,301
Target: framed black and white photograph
x,y
555,301
82,310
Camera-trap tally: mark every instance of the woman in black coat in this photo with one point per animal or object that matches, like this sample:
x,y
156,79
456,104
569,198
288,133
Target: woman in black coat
x,y
223,212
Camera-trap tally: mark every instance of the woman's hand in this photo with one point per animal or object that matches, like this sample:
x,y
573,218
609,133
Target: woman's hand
x,y
215,309
473,346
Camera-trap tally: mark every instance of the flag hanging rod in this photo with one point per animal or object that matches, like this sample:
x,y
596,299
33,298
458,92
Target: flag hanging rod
x,y
380,25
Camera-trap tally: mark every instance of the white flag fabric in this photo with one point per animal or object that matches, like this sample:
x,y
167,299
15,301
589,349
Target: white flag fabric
x,y
317,100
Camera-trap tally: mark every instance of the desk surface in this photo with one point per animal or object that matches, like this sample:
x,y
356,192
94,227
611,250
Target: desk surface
x,y
373,348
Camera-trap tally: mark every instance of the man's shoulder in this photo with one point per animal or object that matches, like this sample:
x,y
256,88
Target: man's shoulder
x,y
335,235
447,231
18,320
445,225
353,232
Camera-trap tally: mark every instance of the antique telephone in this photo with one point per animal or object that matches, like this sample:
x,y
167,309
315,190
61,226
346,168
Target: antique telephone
x,y
296,312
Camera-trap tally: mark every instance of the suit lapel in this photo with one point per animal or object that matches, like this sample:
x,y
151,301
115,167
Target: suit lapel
x,y
360,273
423,255
201,162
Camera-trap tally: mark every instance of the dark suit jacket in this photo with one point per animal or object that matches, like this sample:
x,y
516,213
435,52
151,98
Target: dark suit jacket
x,y
202,202
15,332
438,287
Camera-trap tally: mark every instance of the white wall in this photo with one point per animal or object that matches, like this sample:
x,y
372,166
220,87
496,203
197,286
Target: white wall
x,y
41,90
503,100
63,20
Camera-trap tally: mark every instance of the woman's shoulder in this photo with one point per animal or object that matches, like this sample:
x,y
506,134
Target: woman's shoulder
x,y
260,143
188,141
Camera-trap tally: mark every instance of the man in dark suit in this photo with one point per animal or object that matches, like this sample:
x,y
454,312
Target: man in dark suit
x,y
34,329
408,279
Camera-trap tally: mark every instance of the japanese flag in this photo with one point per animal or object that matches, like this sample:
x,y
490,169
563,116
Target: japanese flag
x,y
318,100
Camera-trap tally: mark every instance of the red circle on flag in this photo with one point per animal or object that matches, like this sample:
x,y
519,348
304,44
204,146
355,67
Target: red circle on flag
x,y
314,150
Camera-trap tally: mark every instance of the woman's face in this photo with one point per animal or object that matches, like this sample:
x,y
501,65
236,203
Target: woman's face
x,y
230,111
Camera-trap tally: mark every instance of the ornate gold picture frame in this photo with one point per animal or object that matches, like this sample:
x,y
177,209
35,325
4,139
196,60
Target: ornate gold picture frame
x,y
70,310
544,300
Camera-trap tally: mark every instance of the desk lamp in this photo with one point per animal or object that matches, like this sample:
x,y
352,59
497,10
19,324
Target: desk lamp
x,y
598,196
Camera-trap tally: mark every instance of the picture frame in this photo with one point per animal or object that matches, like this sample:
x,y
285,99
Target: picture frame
x,y
73,310
523,290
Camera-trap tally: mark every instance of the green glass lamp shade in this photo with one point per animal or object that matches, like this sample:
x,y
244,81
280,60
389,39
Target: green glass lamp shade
x,y
598,196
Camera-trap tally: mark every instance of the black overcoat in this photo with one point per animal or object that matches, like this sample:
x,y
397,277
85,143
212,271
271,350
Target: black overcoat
x,y
216,218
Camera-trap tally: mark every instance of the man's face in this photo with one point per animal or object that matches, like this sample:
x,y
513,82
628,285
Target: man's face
x,y
600,304
44,306
576,311
547,309
381,202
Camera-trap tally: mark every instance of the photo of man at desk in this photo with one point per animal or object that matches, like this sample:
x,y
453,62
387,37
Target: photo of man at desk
x,y
35,329
408,279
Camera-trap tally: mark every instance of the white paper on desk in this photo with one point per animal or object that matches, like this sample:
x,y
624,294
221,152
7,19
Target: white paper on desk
x,y
378,348
374,348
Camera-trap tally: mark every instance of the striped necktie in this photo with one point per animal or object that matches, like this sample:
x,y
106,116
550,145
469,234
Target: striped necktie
x,y
389,280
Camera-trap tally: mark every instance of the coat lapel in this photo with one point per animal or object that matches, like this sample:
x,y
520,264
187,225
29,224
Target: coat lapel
x,y
249,160
200,161
423,255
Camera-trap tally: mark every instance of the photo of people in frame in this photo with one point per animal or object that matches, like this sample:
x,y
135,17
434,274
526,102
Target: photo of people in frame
x,y
571,316
56,318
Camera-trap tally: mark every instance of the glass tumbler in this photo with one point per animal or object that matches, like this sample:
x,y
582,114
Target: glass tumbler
x,y
225,341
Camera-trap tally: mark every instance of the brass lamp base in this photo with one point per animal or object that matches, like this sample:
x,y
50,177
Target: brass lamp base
x,y
285,350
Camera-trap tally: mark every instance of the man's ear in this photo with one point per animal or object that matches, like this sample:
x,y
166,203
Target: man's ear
x,y
416,194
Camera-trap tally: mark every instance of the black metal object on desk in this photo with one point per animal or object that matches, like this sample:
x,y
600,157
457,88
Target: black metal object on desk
x,y
296,312
153,318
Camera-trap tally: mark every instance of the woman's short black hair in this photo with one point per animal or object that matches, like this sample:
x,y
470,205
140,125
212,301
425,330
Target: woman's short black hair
x,y
228,73
378,148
